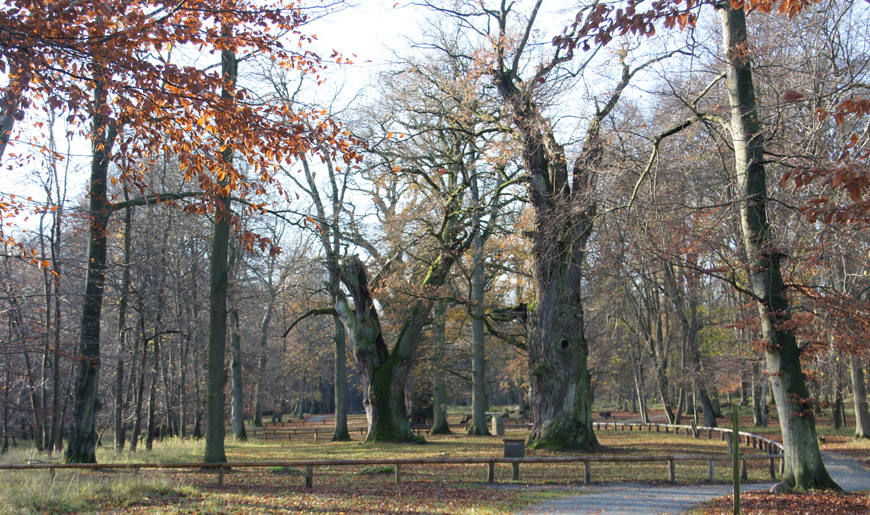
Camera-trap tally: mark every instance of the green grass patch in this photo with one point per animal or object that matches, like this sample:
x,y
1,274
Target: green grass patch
x,y
440,488
74,491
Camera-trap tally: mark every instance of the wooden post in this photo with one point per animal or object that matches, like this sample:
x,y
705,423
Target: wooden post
x,y
772,470
398,473
743,472
516,471
315,435
587,472
672,475
490,474
51,475
221,475
711,470
309,476
735,459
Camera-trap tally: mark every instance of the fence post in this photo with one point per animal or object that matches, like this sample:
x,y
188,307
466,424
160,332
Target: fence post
x,y
51,475
309,476
221,475
398,473
587,472
516,471
772,470
711,470
490,474
743,472
672,475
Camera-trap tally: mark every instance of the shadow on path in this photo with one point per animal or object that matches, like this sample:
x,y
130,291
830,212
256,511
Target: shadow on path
x,y
639,498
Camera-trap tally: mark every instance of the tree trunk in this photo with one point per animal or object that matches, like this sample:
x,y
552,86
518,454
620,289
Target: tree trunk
x,y
709,412
640,393
564,209
140,387
758,418
340,433
238,417
215,397
560,379
151,430
804,468
122,330
383,372
261,362
859,394
6,378
83,438
478,360
440,425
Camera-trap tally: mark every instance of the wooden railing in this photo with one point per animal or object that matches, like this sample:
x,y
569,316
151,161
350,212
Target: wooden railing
x,y
752,440
490,463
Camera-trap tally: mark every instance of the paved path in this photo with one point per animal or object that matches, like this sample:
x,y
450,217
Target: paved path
x,y
640,498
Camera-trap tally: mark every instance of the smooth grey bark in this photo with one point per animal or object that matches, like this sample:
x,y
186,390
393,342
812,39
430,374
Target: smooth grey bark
x,y
640,394
439,401
340,432
478,360
804,468
759,392
261,362
859,399
83,438
215,397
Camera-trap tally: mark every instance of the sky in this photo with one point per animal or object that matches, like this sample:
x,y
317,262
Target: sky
x,y
369,32
367,28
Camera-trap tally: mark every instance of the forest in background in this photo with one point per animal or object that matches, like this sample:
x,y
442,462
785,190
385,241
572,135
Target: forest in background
x,y
512,217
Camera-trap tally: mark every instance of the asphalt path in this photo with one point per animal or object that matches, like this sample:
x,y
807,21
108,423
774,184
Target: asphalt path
x,y
640,498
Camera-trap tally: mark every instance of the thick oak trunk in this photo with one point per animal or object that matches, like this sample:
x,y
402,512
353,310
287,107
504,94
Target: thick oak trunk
x,y
560,379
382,371
804,468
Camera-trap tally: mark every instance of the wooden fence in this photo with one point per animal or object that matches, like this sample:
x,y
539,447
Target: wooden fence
x,y
490,463
752,440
